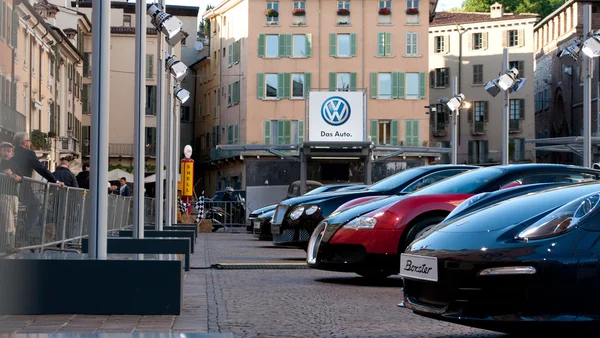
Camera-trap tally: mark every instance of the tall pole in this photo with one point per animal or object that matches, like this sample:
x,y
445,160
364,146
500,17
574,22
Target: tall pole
x,y
160,143
454,122
587,91
139,122
505,113
176,146
99,128
169,206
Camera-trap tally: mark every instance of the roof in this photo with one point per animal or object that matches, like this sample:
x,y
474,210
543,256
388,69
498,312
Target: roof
x,y
130,30
193,65
129,7
453,18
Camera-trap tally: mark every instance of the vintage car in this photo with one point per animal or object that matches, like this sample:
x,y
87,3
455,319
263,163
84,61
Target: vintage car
x,y
529,262
370,243
295,218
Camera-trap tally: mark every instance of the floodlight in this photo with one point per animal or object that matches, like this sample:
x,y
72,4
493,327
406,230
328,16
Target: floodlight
x,y
181,94
570,54
507,79
466,105
168,24
519,83
177,68
492,88
455,102
591,47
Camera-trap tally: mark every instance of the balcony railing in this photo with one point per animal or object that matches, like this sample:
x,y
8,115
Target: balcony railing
x,y
217,154
120,149
68,145
478,128
514,126
151,150
440,129
11,120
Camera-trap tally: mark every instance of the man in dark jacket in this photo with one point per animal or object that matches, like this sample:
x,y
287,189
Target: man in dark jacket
x,y
64,174
83,178
27,161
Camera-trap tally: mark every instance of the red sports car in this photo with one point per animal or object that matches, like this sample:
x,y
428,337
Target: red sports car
x,y
369,242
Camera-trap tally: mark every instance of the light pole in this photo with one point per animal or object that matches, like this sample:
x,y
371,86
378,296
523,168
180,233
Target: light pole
x,y
139,122
455,104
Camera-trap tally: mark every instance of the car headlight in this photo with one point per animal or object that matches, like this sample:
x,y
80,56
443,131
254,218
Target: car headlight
x,y
466,203
296,213
361,223
563,219
311,210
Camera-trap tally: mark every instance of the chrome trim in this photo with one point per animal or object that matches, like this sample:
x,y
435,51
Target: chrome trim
x,y
315,242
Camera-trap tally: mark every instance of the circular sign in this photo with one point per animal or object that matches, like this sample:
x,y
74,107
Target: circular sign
x,y
335,111
187,151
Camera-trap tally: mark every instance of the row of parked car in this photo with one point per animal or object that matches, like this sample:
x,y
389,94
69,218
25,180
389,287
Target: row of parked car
x,y
484,247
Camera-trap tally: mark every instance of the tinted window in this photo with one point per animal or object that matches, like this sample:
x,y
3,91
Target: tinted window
x,y
550,178
466,183
431,179
394,181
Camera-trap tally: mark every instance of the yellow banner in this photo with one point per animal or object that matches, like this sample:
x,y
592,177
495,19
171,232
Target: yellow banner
x,y
187,178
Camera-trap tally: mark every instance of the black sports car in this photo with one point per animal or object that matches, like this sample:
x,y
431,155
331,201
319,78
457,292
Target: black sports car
x,y
527,261
262,226
296,218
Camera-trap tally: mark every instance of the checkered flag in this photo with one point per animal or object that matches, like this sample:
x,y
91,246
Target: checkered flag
x,y
200,208
183,207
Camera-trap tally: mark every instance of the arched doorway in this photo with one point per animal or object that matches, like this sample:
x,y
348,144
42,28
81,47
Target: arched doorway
x,y
559,127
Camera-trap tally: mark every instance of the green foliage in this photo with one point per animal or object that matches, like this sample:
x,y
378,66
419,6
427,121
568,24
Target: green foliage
x,y
119,166
38,139
541,7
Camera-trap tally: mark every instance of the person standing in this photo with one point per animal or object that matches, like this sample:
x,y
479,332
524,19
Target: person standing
x,y
9,202
83,178
124,188
27,161
64,174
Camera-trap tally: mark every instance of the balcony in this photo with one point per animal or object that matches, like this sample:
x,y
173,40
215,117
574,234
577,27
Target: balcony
x,y
120,150
217,154
514,126
11,120
68,146
150,150
478,128
439,129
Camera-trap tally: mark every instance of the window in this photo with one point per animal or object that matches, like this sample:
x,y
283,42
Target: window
x,y
230,55
272,48
478,151
52,65
150,141
385,132
384,41
87,64
517,108
229,95
344,5
385,4
271,85
412,4
477,74
519,65
150,100
343,45
413,84
299,4
440,78
440,44
411,44
283,131
298,85
385,86
299,46
126,20
274,5
478,112
343,81
513,38
185,114
477,42
441,113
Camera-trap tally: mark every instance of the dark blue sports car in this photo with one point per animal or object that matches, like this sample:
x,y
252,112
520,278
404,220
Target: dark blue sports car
x,y
531,260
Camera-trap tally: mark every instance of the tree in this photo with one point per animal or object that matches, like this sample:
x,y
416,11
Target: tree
x,y
541,7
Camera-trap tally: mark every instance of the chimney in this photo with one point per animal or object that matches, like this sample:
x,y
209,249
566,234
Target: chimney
x,y
497,10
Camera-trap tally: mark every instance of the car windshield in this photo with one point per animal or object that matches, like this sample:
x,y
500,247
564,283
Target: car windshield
x,y
317,190
466,183
398,179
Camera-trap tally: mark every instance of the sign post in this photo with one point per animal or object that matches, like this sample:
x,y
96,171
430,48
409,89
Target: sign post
x,y
187,176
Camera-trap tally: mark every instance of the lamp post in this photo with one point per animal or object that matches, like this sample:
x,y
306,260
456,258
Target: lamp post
x,y
139,122
455,104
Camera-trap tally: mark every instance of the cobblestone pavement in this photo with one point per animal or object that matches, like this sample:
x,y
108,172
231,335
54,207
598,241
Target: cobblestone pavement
x,y
263,302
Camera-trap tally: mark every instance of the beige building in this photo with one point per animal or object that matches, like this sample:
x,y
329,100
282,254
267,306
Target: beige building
x,y
470,46
260,71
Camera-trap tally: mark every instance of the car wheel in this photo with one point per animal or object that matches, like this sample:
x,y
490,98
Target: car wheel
x,y
374,275
418,229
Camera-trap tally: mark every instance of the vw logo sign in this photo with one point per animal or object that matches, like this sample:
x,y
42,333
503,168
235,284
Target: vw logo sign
x,y
335,111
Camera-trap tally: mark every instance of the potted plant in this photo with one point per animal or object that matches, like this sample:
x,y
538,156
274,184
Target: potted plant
x,y
412,11
343,23
51,134
38,139
343,12
298,12
384,11
271,13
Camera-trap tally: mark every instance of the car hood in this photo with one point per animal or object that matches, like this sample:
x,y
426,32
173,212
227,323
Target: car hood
x,y
328,196
264,209
267,215
346,215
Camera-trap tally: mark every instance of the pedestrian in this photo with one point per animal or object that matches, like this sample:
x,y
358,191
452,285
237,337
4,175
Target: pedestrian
x,y
64,174
83,178
27,161
124,188
9,202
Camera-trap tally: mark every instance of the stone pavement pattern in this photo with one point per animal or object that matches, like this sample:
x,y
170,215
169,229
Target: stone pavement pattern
x,y
263,302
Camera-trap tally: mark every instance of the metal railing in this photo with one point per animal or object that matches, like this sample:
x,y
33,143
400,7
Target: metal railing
x,y
69,145
11,120
120,149
36,215
478,128
514,126
225,213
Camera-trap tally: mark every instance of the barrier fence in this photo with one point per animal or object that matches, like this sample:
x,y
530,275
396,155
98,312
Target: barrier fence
x,y
37,215
226,213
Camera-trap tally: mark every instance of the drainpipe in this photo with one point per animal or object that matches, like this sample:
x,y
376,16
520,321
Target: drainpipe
x,y
459,82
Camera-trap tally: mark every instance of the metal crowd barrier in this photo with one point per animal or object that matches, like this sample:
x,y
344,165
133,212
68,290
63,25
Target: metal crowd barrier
x,y
36,215
226,213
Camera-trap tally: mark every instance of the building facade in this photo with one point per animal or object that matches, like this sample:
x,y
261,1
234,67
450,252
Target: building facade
x,y
559,82
469,46
261,70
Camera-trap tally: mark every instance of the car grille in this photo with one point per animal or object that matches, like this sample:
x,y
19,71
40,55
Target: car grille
x,y
279,214
290,235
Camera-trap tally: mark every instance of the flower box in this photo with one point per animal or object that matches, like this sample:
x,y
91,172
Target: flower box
x,y
412,11
272,13
343,12
384,11
298,12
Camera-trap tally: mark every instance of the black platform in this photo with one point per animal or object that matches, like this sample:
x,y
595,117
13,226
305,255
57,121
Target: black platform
x,y
165,233
70,283
158,245
175,227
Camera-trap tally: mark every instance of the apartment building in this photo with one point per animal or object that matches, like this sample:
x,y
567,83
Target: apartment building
x,y
470,46
559,83
260,71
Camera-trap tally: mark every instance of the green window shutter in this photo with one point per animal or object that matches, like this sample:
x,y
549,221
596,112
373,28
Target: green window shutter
x,y
413,132
282,44
84,99
288,45
308,44
280,132
388,44
229,134
408,132
374,132
332,44
394,132
229,94
267,132
380,44
280,85
149,65
374,92
260,85
422,84
353,44
332,81
522,109
352,81
261,45
485,111
395,89
401,85
301,131
307,84
236,134
287,80
239,48
2,87
287,132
